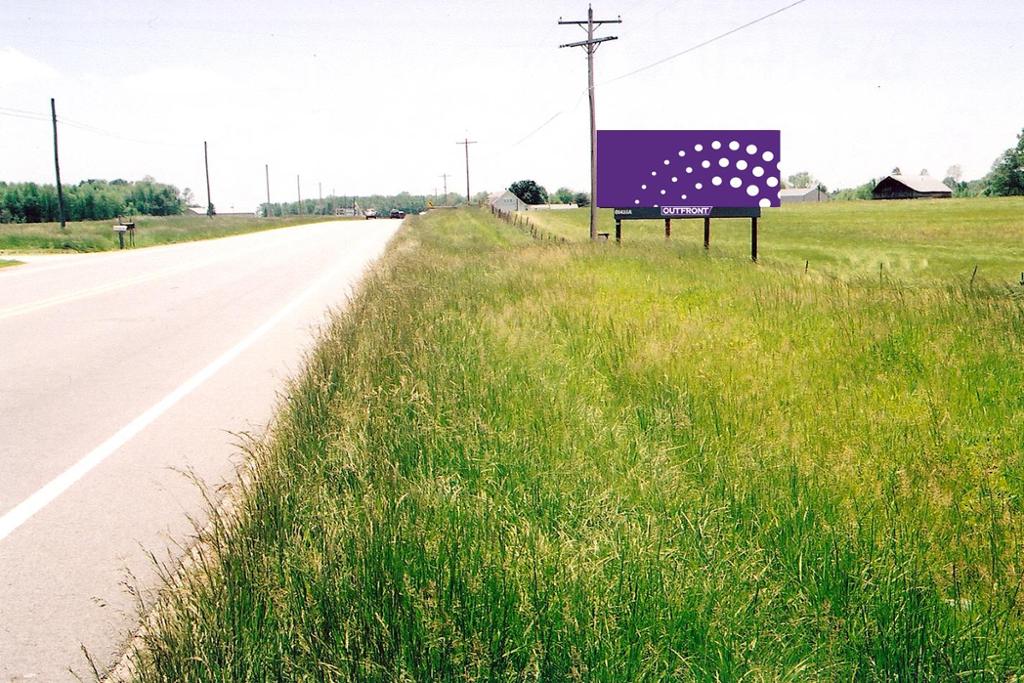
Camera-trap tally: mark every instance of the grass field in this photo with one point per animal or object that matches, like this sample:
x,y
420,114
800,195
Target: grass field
x,y
937,239
521,460
150,231
5,263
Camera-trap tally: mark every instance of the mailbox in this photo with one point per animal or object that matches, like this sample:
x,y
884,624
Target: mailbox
x,y
121,229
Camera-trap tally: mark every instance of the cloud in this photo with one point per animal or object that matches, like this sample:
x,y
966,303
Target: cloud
x,y
16,67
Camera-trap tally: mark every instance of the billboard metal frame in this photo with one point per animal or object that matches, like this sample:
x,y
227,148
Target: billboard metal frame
x,y
689,212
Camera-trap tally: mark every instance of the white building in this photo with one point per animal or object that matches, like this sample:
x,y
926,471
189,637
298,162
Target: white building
x,y
800,195
506,201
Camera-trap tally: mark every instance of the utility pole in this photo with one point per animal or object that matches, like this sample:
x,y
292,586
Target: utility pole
x,y
206,162
320,194
466,143
590,45
266,167
56,163
298,190
445,176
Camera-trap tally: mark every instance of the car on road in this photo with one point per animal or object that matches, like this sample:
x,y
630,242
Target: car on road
x,y
397,213
370,213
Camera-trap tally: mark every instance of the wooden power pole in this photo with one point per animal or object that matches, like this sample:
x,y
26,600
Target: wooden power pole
x,y
590,45
206,162
298,190
466,143
445,176
56,163
266,168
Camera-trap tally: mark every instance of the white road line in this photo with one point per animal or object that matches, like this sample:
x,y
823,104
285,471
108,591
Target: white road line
x,y
24,511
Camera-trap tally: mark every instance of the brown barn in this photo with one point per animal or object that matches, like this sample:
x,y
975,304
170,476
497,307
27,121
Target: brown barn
x,y
911,187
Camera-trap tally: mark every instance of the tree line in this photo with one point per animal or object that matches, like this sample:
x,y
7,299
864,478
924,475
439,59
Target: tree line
x,y
89,200
1005,179
334,205
531,193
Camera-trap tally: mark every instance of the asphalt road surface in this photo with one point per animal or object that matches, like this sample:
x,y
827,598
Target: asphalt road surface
x,y
120,374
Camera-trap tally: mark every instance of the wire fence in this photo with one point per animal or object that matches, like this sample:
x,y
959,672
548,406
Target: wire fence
x,y
523,223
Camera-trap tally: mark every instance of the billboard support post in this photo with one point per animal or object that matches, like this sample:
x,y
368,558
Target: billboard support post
x,y
753,239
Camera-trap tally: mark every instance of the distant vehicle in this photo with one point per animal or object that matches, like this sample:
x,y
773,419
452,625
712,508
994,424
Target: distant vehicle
x,y
370,213
397,213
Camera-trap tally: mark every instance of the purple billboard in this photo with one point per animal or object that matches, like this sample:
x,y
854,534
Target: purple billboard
x,y
688,172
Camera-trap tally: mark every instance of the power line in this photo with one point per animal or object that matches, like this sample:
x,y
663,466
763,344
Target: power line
x,y
706,42
23,116
657,63
22,113
38,116
537,130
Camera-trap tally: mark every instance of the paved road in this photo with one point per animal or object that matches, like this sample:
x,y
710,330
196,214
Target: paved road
x,y
118,373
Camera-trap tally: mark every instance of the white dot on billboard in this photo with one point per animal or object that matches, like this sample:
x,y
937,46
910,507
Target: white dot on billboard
x,y
734,145
773,181
705,164
767,156
663,191
666,162
716,145
753,190
723,162
653,173
689,169
765,203
758,171
742,164
643,187
636,201
682,153
716,181
682,196
751,149
698,148
699,186
736,182
675,179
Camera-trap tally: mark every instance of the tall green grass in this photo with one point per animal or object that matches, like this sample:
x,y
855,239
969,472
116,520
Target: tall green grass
x,y
515,460
150,231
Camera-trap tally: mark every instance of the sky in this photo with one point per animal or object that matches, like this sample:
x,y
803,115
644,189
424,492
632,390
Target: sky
x,y
361,97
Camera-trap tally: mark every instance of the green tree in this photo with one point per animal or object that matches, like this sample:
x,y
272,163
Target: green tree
x,y
529,191
564,195
859,192
581,199
1007,176
801,179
